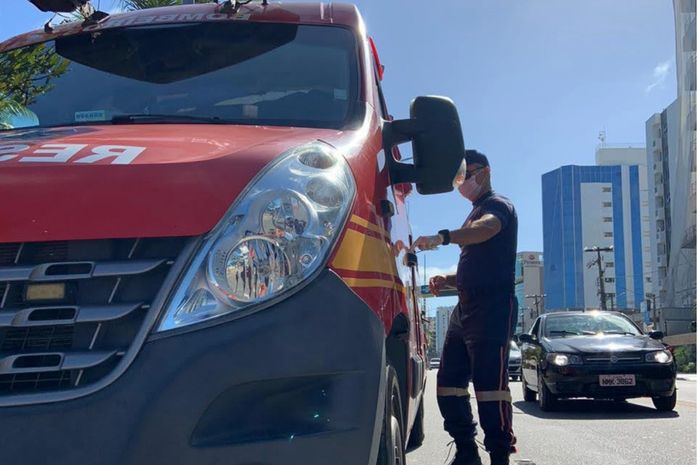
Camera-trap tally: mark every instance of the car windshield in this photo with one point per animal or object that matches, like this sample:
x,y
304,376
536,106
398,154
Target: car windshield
x,y
588,324
232,72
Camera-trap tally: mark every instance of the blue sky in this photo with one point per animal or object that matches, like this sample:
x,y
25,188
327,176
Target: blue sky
x,y
534,81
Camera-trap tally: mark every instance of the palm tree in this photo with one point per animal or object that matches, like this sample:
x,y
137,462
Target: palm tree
x,y
143,4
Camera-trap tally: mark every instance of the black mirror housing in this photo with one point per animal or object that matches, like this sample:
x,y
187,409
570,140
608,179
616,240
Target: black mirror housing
x,y
63,6
437,145
525,338
658,335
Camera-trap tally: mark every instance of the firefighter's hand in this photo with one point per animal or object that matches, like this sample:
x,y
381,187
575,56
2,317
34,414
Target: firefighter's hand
x,y
427,242
436,283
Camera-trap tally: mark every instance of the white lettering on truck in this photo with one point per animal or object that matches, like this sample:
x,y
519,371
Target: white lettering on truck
x,y
69,153
8,152
123,155
61,153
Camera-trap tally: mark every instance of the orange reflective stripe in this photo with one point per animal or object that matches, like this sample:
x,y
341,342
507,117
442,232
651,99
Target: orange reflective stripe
x,y
452,391
494,396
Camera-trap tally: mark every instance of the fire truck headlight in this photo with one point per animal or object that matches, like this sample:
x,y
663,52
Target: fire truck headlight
x,y
276,236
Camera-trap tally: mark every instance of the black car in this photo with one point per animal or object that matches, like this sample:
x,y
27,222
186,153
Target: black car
x,y
596,354
514,362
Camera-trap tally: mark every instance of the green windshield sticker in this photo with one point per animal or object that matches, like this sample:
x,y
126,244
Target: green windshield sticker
x,y
93,115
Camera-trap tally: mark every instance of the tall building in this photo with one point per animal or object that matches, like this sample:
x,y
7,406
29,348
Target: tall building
x,y
671,140
529,279
683,176
442,321
603,205
662,137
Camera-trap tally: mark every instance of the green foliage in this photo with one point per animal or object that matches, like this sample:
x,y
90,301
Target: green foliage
x,y
144,4
685,358
25,74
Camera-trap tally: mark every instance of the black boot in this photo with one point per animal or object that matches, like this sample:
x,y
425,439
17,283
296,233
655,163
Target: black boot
x,y
499,457
467,453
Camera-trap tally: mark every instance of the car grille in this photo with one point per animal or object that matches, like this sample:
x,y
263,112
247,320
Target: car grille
x,y
610,358
69,311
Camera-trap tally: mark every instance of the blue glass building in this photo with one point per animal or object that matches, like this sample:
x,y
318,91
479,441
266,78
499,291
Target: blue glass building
x,y
585,206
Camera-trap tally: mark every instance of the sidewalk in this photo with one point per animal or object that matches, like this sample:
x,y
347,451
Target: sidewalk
x,y
687,376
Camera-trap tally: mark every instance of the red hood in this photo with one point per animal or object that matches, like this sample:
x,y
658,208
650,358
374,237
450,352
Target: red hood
x,y
130,181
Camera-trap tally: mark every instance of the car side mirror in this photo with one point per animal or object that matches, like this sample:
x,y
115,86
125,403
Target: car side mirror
x,y
658,335
437,145
526,338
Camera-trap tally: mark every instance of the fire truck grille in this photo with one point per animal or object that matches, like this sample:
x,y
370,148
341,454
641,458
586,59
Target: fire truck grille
x,y
69,311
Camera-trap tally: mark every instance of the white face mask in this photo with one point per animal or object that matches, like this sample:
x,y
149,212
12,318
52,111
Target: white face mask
x,y
471,189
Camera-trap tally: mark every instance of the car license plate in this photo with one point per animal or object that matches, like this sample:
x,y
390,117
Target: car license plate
x,y
617,380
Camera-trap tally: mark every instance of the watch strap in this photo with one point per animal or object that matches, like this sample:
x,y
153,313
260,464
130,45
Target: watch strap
x,y
445,235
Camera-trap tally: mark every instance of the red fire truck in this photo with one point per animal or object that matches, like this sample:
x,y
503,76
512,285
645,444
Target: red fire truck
x,y
204,244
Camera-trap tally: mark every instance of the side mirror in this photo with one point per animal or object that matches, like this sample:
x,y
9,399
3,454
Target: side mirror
x,y
437,145
658,335
526,338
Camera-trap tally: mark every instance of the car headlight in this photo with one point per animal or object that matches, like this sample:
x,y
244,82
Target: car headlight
x,y
275,236
562,360
663,356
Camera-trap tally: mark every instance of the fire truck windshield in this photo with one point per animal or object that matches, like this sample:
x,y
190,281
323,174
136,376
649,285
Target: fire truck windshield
x,y
224,72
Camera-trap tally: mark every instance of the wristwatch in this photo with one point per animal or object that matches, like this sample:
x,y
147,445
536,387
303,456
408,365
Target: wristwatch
x,y
445,235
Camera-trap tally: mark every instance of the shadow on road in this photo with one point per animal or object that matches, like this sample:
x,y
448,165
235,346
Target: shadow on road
x,y
587,409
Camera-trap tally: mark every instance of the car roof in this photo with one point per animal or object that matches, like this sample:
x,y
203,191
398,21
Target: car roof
x,y
587,312
292,13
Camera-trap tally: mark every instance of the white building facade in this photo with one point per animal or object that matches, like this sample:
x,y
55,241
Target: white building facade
x,y
529,281
442,322
671,140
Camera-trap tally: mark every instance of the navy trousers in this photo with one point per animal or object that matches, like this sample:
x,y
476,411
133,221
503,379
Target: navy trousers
x,y
476,350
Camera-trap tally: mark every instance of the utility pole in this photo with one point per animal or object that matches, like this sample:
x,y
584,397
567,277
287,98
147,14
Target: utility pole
x,y
611,295
601,273
538,299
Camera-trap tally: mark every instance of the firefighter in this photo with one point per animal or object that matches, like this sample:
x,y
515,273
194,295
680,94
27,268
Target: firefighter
x,y
477,342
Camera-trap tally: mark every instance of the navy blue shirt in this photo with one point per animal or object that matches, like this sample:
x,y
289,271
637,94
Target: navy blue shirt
x,y
490,264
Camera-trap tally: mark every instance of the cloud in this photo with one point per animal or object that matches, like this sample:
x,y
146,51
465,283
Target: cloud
x,y
660,73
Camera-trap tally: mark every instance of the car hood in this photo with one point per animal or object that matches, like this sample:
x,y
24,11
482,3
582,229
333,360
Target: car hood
x,y
93,182
596,344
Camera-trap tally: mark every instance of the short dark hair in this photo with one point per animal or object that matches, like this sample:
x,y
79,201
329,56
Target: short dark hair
x,y
473,157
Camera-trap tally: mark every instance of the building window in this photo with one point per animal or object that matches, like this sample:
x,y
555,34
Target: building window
x,y
648,279
609,280
607,219
607,204
607,189
610,264
607,234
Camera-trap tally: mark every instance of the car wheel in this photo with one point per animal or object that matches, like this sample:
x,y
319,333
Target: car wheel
x,y
547,400
665,404
528,394
391,450
514,378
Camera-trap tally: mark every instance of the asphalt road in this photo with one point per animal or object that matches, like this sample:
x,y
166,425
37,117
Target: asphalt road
x,y
583,432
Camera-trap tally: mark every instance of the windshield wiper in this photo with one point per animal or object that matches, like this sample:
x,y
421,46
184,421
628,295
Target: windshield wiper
x,y
164,119
613,331
565,332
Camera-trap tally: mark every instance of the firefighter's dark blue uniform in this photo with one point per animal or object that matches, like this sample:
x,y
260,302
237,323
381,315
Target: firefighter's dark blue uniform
x,y
477,342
